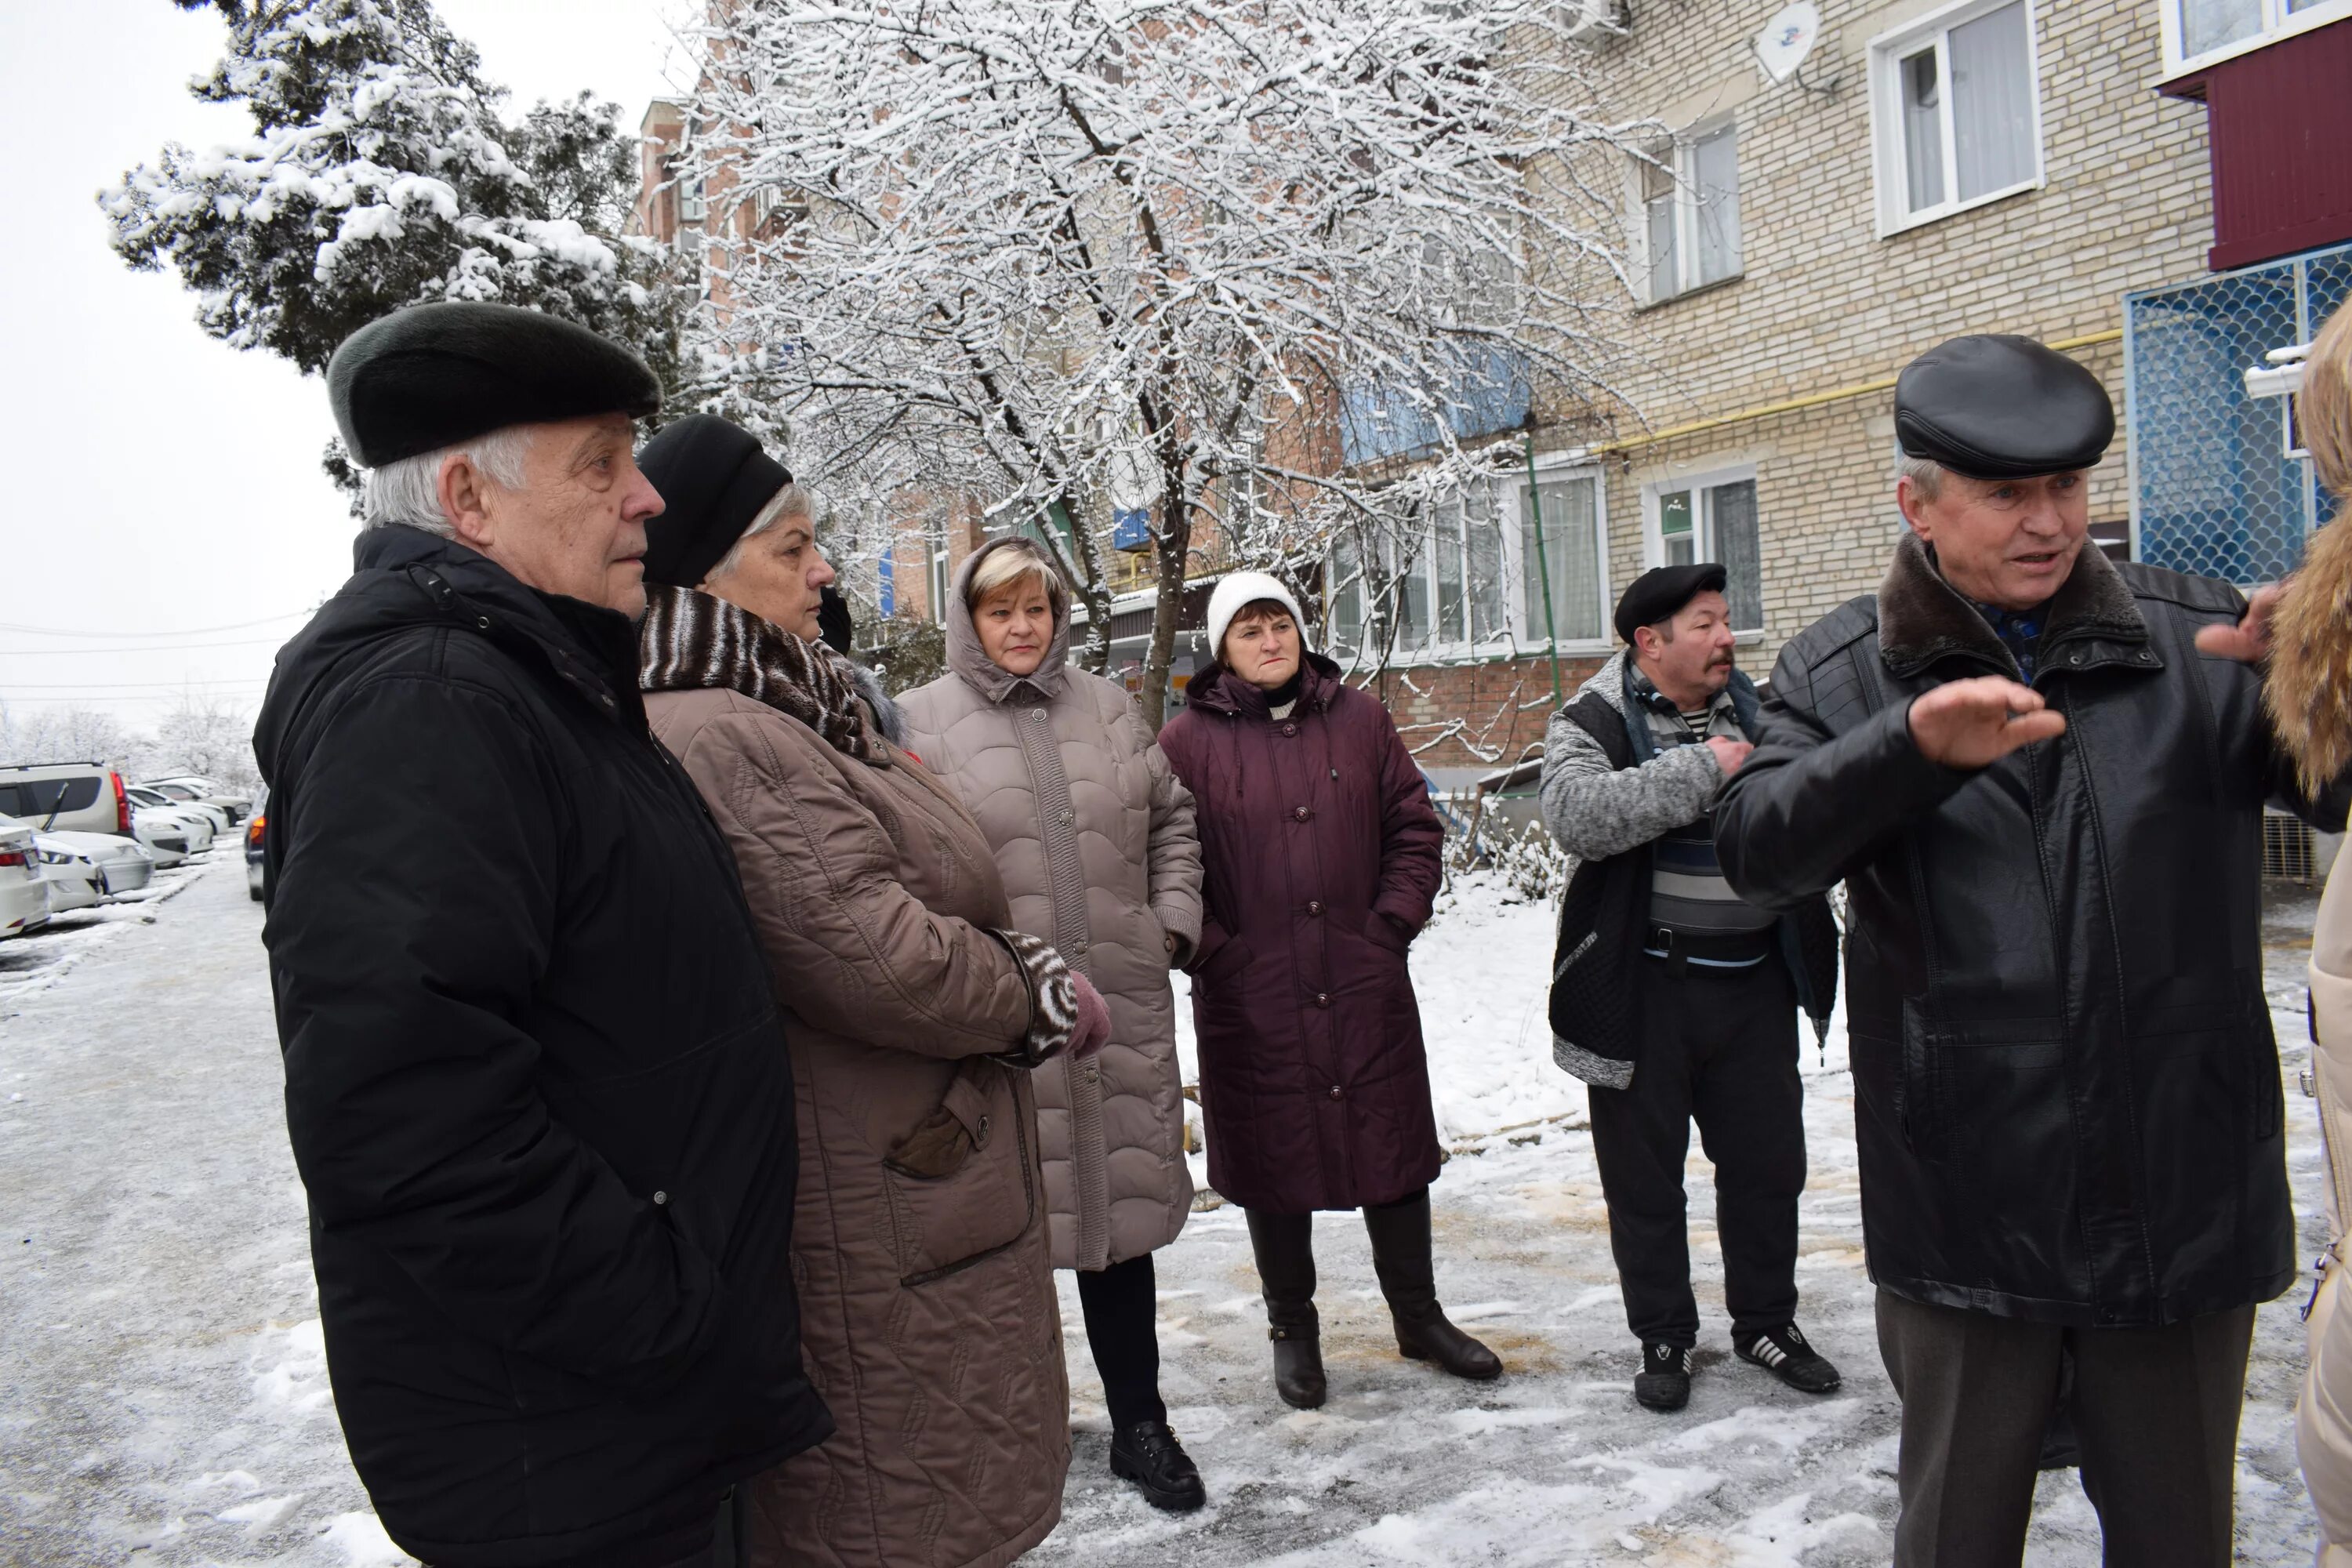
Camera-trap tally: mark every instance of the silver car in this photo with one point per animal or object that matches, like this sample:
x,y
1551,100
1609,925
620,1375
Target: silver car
x,y
85,869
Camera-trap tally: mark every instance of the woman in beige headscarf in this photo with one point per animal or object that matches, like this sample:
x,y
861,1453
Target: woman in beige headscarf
x,y
2310,695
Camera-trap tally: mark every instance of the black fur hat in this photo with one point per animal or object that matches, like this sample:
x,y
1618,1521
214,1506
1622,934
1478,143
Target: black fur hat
x,y
433,375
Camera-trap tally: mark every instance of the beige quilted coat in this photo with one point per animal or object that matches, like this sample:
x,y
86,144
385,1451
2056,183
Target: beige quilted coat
x,y
1093,834
2324,1417
929,1318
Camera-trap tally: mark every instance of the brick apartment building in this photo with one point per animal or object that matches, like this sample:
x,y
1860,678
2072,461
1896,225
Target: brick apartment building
x,y
1931,168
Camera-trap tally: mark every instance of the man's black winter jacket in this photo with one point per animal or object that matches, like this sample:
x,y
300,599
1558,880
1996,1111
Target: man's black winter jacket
x,y
2067,1090
535,1079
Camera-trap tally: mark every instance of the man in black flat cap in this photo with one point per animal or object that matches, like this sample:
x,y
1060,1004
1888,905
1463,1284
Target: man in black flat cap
x,y
2041,778
1672,997
535,1080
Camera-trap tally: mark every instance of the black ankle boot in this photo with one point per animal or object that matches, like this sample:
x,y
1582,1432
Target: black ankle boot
x,y
1148,1455
1285,1247
1401,1256
1298,1367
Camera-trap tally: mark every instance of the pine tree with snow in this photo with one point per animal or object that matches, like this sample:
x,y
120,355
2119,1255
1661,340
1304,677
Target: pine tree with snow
x,y
381,173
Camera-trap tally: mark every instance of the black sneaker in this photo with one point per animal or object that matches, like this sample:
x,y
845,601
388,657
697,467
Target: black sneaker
x,y
1148,1455
1664,1382
1783,1353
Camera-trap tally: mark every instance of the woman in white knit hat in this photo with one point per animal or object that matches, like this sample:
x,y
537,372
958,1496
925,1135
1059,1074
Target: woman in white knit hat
x,y
1319,858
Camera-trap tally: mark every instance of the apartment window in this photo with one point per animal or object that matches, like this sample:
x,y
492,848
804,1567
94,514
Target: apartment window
x,y
1713,518
935,549
1440,575
693,206
1689,221
2197,32
1570,559
1957,113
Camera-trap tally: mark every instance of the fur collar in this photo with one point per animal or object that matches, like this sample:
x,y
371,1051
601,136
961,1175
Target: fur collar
x,y
691,641
2309,691
1923,619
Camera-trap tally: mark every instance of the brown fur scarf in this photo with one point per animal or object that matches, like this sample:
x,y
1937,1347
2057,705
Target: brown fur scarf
x,y
691,640
2309,692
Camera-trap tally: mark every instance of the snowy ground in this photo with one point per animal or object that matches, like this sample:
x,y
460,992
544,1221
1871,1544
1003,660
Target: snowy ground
x,y
164,1401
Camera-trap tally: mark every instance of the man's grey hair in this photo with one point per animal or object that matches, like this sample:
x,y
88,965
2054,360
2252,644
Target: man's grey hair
x,y
1925,474
408,491
790,502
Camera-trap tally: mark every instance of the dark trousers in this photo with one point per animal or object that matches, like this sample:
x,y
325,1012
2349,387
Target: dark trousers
x,y
2155,1413
1122,1310
1718,1047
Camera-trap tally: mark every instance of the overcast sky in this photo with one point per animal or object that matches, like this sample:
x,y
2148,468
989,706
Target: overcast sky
x,y
165,483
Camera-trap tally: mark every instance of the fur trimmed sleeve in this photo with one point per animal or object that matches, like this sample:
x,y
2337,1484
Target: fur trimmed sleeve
x,y
1053,999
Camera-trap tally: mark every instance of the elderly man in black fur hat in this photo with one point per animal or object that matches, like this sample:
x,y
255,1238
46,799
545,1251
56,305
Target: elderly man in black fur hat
x,y
2042,777
535,1079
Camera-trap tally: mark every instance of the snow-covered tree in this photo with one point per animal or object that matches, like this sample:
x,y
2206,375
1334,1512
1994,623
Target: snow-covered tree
x,y
68,733
208,737
1210,260
381,173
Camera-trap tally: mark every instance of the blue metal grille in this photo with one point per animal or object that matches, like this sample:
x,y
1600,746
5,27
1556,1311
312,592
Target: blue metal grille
x,y
2213,491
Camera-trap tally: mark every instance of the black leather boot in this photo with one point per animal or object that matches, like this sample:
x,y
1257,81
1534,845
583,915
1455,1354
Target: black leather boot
x,y
1401,1256
1284,1246
1148,1455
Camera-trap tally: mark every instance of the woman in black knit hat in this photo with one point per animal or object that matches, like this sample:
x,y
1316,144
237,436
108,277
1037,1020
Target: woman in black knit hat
x,y
913,1012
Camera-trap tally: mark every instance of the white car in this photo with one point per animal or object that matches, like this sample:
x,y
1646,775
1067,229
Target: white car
x,y
169,836
189,786
197,825
24,895
181,797
85,869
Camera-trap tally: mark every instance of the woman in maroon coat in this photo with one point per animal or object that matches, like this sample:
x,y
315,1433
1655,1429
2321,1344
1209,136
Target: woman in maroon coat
x,y
1321,856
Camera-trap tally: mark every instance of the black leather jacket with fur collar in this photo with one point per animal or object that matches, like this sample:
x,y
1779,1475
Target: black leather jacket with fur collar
x,y
2067,1092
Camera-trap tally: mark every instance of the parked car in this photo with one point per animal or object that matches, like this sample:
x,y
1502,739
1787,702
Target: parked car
x,y
24,895
215,818
222,816
66,797
169,837
256,874
85,869
189,786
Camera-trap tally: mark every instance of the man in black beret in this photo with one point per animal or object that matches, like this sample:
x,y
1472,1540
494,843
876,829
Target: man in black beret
x,y
535,1081
2041,778
1672,997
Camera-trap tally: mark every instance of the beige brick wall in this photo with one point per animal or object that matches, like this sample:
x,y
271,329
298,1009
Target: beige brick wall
x,y
1824,304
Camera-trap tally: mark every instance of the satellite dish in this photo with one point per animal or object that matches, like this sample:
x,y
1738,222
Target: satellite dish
x,y
1788,38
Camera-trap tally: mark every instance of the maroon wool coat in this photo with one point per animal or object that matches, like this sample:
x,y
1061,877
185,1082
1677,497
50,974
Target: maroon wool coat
x,y
1321,856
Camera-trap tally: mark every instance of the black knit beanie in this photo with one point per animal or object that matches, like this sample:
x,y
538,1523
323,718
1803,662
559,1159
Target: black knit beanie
x,y
714,480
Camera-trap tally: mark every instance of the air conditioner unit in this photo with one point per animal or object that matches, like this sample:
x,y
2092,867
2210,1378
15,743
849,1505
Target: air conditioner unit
x,y
1592,19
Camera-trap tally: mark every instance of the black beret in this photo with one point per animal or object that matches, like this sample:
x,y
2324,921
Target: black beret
x,y
1660,594
433,375
714,481
1998,407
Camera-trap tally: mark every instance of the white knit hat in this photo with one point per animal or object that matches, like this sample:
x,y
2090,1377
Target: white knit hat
x,y
1241,588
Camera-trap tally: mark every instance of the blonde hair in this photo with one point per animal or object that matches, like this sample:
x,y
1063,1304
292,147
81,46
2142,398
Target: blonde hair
x,y
2309,688
2323,409
1015,563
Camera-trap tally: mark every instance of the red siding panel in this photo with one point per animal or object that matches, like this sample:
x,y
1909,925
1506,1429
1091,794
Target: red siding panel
x,y
2281,126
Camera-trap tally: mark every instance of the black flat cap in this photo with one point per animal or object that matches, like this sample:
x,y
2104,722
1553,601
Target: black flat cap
x,y
1998,407
714,479
1659,593
433,375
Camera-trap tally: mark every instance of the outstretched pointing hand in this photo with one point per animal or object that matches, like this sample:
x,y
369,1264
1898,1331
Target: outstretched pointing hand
x,y
1971,723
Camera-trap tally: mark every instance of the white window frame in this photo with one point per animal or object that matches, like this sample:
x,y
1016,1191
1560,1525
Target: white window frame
x,y
1519,633
1516,567
2278,23
1685,154
937,578
1889,172
1698,483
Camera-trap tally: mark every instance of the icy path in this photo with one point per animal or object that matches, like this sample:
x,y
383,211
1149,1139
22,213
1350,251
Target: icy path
x,y
163,1385
162,1399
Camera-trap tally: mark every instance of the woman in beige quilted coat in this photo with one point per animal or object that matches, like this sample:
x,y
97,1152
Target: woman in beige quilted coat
x,y
2309,691
1094,835
914,1014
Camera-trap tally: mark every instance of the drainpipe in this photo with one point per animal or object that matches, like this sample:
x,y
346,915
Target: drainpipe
x,y
1543,569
